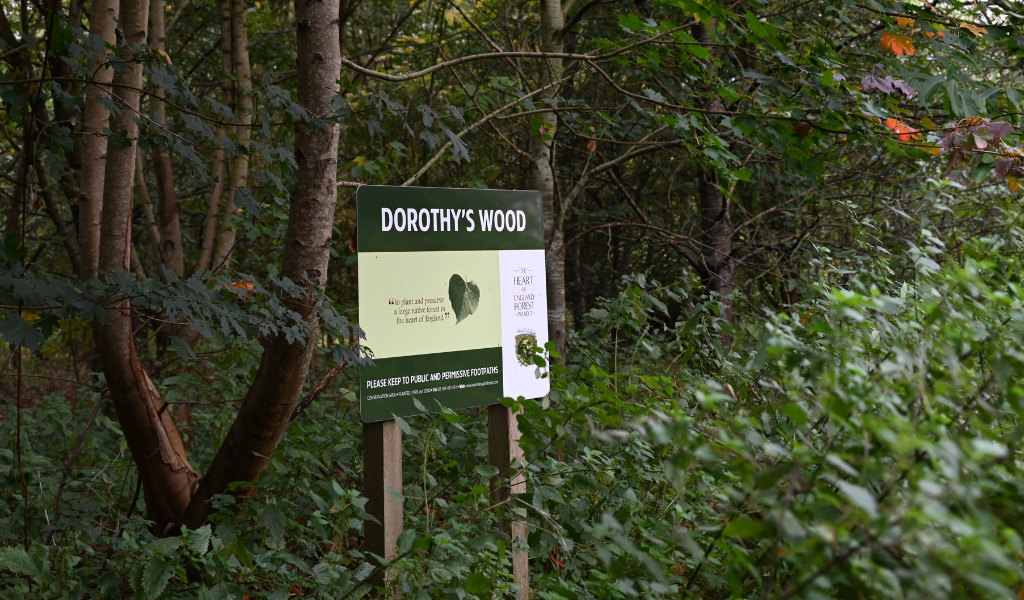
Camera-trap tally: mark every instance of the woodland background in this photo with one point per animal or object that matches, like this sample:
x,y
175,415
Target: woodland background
x,y
784,250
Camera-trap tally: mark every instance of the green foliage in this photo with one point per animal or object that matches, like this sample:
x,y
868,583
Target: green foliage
x,y
864,443
846,424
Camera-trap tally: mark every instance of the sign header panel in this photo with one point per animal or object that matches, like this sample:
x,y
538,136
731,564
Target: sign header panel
x,y
452,297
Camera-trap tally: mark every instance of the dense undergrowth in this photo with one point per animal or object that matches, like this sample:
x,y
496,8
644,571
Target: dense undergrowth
x,y
865,443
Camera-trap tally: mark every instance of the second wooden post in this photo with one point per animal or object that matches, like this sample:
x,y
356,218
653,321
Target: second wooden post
x,y
504,453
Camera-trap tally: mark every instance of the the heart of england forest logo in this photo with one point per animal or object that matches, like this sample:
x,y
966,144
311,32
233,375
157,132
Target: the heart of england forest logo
x,y
526,346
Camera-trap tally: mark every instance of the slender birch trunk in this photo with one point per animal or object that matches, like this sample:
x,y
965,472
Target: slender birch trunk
x,y
172,252
145,202
542,172
268,406
211,224
220,173
243,114
102,22
153,440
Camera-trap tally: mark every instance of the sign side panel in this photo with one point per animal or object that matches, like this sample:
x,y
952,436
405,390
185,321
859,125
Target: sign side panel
x,y
524,321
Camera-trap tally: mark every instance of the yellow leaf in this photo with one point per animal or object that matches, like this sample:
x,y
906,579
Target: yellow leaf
x,y
976,30
928,124
1015,185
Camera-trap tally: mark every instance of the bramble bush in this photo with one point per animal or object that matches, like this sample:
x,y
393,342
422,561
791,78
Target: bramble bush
x,y
863,444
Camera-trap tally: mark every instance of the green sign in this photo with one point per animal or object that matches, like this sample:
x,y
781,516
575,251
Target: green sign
x,y
452,298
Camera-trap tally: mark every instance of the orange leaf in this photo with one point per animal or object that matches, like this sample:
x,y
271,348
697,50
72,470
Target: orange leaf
x,y
1014,184
556,561
592,145
897,42
942,34
906,133
976,30
243,285
904,22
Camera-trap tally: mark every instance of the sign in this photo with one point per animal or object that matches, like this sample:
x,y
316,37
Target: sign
x,y
452,298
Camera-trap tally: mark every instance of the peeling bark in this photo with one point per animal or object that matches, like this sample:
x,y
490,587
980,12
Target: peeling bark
x,y
267,408
102,21
153,440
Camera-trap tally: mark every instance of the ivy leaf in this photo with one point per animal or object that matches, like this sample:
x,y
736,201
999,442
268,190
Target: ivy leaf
x,y
464,296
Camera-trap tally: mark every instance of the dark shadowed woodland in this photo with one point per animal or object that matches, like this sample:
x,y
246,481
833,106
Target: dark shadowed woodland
x,y
784,248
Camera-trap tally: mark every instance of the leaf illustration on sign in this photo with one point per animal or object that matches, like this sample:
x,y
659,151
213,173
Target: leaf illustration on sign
x,y
464,296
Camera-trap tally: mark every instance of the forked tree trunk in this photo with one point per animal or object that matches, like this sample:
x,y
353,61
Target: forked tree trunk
x,y
542,171
154,441
243,113
102,22
268,406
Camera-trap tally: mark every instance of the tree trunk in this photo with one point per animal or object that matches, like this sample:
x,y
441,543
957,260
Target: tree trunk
x,y
220,174
267,408
172,253
243,113
154,441
718,266
211,224
143,200
542,172
102,22
12,227
66,236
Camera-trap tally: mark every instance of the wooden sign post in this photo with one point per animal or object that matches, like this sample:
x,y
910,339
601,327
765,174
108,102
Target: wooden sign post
x,y
382,481
504,453
452,299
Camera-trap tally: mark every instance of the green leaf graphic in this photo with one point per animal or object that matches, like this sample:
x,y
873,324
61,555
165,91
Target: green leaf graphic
x,y
464,296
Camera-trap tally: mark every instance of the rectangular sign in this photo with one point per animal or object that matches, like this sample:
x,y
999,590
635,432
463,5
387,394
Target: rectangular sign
x,y
452,297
